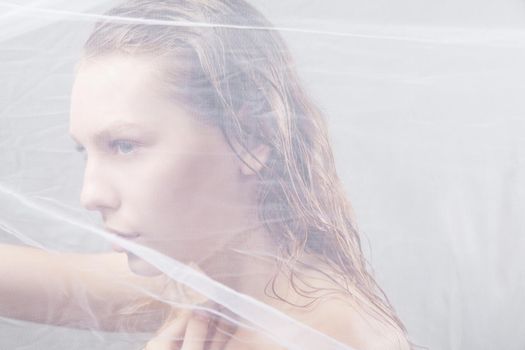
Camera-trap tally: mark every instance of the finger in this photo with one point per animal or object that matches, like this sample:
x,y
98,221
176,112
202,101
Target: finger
x,y
196,332
220,338
170,334
222,331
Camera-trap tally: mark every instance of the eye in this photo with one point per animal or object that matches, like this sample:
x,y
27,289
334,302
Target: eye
x,y
80,149
123,146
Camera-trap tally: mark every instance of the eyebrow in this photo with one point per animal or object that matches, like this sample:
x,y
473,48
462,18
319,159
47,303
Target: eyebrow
x,y
105,134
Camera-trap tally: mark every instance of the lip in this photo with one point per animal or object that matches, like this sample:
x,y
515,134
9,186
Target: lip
x,y
125,235
121,234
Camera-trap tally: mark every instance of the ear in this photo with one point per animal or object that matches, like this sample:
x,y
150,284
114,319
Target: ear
x,y
254,159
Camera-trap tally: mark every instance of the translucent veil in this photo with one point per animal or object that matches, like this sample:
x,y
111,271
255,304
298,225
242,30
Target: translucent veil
x,y
427,122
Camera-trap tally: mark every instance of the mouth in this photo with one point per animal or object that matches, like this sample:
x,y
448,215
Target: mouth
x,y
125,235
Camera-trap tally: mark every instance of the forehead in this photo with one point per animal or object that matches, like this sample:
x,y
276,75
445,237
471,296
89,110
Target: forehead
x,y
116,89
110,84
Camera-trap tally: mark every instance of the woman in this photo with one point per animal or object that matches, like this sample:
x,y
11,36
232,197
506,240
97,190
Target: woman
x,y
202,145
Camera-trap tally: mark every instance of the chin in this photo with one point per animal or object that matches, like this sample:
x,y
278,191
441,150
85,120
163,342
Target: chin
x,y
140,267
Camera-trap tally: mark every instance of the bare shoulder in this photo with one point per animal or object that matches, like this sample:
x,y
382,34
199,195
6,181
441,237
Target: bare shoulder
x,y
339,316
347,321
336,318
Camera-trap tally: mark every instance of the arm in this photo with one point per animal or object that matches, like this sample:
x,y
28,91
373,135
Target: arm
x,y
77,290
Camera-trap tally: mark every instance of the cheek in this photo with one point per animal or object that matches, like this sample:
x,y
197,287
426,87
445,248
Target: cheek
x,y
186,194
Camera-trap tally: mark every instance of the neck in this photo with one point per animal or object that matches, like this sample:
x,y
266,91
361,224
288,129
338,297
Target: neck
x,y
246,263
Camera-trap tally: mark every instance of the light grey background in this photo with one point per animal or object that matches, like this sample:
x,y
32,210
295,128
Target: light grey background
x,y
425,101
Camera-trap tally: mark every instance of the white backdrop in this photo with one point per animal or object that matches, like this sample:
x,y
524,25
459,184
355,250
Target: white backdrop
x,y
425,102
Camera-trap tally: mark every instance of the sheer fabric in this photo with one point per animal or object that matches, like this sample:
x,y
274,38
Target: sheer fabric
x,y
426,120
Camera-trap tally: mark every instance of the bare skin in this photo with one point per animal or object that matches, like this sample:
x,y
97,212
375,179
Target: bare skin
x,y
62,281
48,288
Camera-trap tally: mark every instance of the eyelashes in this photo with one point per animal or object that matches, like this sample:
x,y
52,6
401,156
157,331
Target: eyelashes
x,y
122,147
82,151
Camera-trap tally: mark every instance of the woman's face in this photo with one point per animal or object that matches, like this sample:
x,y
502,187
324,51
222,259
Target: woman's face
x,y
153,171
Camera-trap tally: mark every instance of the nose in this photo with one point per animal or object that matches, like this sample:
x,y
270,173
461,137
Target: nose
x,y
98,192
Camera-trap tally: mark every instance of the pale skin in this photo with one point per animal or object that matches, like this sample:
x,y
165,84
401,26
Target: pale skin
x,y
62,279
139,144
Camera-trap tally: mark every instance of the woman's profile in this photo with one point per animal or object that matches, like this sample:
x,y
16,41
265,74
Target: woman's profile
x,y
202,144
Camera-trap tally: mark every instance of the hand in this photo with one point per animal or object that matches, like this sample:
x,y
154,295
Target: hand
x,y
191,331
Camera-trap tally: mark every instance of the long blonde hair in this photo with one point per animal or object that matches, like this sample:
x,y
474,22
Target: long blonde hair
x,y
227,64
